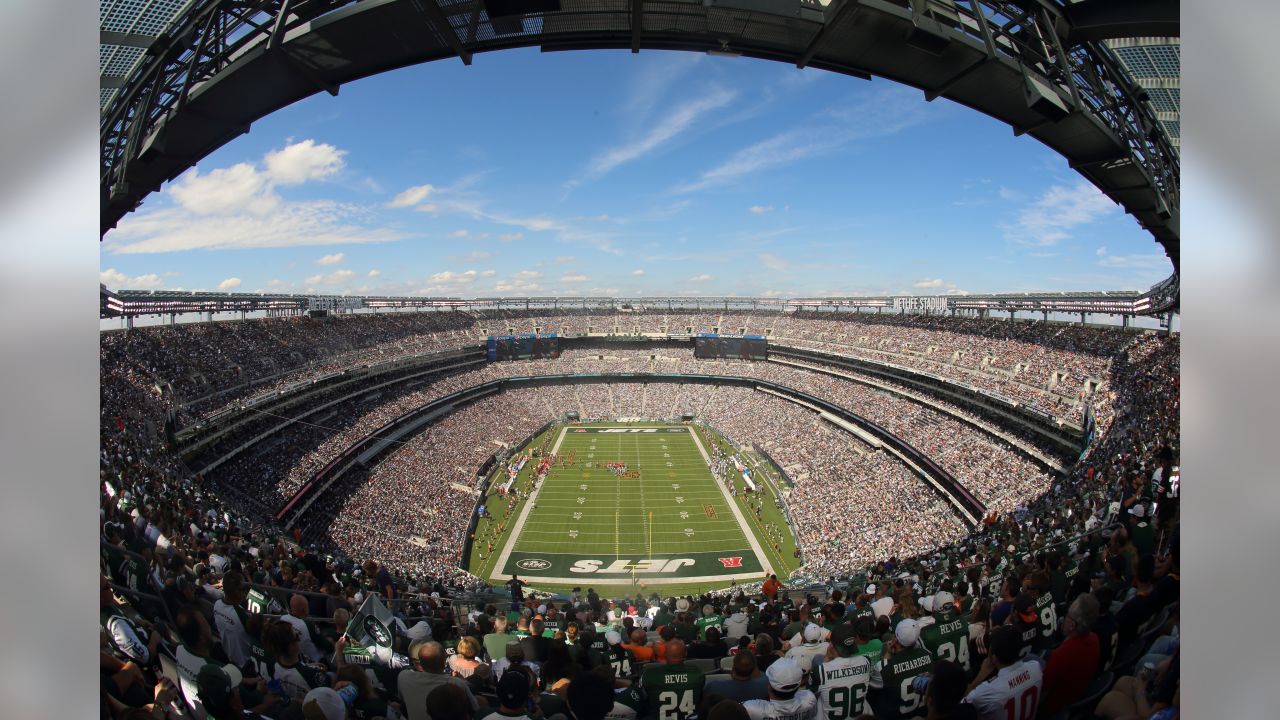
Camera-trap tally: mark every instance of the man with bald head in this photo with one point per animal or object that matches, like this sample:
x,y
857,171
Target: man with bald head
x,y
299,612
674,689
427,674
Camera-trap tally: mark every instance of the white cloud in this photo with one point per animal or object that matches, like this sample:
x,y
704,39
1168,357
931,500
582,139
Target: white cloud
x,y
700,278
411,196
571,277
237,189
1058,210
527,275
666,129
637,273
510,237
565,259
117,280
459,234
760,209
448,277
303,161
1153,261
317,222
374,273
337,277
876,115
773,262
488,273
230,283
333,259
477,255
508,286
928,283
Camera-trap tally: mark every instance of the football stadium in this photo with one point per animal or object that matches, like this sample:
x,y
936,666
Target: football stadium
x,y
725,466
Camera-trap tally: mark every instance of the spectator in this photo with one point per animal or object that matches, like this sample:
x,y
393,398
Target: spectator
x,y
1074,663
744,682
944,696
467,665
677,686
427,673
1006,677
787,699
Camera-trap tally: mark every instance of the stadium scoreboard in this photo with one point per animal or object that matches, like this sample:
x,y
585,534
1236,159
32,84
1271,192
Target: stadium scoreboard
x,y
736,347
524,347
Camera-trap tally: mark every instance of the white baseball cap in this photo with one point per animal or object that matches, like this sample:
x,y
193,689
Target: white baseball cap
x,y
907,632
784,675
331,705
812,633
942,600
613,636
927,603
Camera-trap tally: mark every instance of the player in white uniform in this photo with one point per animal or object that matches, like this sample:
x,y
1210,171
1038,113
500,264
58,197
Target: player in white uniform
x,y
1006,685
787,700
841,681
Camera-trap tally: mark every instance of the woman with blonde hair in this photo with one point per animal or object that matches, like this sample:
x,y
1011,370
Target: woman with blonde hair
x,y
465,665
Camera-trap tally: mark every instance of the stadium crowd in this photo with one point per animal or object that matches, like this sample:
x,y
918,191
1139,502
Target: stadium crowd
x,y
1073,590
202,368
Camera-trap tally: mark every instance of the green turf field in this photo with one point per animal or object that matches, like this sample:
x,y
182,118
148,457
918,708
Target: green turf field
x,y
664,523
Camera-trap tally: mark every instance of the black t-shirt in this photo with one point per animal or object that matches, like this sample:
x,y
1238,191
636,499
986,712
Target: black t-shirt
x,y
1139,609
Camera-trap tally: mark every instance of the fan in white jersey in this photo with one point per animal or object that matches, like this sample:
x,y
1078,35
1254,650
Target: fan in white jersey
x,y
787,700
841,678
1006,685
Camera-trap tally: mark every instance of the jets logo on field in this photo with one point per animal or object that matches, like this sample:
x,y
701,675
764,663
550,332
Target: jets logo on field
x,y
731,562
377,631
533,564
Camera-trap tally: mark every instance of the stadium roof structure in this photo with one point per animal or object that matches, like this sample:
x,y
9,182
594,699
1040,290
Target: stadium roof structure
x,y
181,78
1155,65
1160,298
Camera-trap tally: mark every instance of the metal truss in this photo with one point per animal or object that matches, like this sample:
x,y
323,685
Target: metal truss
x,y
223,64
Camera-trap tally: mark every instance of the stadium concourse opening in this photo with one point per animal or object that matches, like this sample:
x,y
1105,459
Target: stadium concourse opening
x,y
639,504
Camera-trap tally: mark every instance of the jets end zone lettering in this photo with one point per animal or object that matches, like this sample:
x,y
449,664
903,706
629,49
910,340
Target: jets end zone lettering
x,y
626,566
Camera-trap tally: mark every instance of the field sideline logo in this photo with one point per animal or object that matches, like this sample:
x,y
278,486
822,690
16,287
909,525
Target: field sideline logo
x,y
533,564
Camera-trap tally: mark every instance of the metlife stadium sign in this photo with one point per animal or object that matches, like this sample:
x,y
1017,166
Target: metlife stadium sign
x,y
918,303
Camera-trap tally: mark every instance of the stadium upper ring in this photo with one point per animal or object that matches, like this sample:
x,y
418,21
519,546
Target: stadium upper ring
x,y
181,78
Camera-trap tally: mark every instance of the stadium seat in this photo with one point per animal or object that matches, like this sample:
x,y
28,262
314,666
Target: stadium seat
x,y
190,709
706,665
726,663
1083,708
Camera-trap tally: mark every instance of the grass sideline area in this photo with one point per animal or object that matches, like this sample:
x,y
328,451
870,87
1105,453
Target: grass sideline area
x,y
658,522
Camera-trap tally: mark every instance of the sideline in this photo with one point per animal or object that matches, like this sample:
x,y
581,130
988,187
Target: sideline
x,y
496,572
737,513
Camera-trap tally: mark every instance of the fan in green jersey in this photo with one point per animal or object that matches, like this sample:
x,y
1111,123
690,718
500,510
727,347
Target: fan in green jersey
x,y
904,661
673,688
948,637
710,619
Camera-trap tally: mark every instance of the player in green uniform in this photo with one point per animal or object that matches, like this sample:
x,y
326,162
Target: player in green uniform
x,y
710,619
899,670
673,688
948,637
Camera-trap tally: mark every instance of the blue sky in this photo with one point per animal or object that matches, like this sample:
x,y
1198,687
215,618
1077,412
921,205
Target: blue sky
x,y
590,173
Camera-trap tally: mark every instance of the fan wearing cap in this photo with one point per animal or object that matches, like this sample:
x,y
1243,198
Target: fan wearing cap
x,y
674,689
1006,679
619,658
710,619
517,695
843,678
905,659
788,700
947,638
218,689
813,646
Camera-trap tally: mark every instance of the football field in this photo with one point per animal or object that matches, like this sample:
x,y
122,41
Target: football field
x,y
630,505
